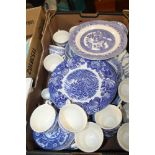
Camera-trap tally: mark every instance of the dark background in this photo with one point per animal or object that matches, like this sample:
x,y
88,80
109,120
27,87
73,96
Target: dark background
x,y
85,5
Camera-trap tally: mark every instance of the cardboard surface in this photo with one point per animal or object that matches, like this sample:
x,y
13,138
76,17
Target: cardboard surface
x,y
53,23
35,19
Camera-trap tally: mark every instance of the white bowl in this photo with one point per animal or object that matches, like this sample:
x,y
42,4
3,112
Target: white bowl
x,y
52,61
45,94
61,37
123,136
72,118
109,118
42,118
90,139
123,90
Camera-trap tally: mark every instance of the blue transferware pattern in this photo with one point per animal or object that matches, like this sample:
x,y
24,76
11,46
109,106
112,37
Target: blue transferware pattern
x,y
54,139
97,42
56,50
117,101
68,52
110,133
118,68
123,58
90,84
124,28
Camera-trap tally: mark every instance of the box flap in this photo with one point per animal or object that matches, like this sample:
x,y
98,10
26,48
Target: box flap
x,y
32,16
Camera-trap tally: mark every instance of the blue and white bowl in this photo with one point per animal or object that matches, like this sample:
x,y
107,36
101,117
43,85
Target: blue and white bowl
x,y
56,50
54,139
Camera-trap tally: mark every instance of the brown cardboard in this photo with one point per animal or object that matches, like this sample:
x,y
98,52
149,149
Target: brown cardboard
x,y
35,18
53,23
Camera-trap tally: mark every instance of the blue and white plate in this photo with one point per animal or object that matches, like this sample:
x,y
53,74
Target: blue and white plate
x,y
118,68
90,84
54,139
98,40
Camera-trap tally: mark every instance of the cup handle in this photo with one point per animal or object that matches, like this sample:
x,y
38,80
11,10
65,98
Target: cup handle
x,y
48,102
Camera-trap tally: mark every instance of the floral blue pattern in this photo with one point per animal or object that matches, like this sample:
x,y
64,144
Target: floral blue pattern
x,y
90,84
54,139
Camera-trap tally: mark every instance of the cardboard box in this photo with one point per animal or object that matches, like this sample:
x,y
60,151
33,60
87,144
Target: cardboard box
x,y
53,23
35,18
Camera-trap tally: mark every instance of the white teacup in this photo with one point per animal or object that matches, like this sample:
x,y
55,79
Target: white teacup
x,y
45,94
52,61
109,119
72,117
61,37
72,28
123,90
123,136
90,139
43,117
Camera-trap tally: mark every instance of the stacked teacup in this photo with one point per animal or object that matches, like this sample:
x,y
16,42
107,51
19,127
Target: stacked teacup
x,y
87,99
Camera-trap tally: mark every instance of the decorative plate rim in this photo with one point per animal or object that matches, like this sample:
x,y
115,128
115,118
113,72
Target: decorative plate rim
x,y
119,49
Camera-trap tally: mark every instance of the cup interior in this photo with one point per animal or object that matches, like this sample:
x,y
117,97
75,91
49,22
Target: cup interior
x,y
52,61
123,136
61,36
109,118
73,118
90,139
42,118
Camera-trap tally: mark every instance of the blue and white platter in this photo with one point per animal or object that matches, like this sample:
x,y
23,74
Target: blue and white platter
x,y
88,83
98,40
54,139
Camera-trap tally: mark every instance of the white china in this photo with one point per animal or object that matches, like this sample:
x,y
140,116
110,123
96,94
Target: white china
x,y
72,117
109,117
61,37
123,90
43,117
90,139
123,136
45,94
52,61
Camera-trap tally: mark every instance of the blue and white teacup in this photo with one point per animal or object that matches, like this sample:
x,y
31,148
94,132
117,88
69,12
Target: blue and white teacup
x,y
54,138
43,117
61,38
57,50
109,119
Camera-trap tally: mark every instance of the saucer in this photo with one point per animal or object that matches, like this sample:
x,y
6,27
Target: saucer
x,y
90,84
98,40
54,139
